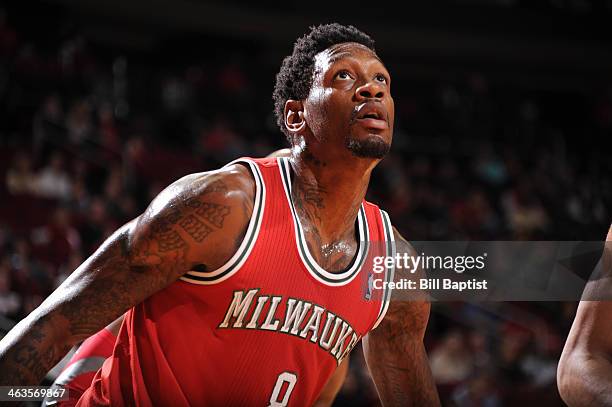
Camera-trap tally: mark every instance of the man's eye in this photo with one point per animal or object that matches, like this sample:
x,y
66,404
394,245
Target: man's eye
x,y
381,78
343,75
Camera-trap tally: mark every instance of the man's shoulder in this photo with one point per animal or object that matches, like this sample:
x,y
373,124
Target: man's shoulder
x,y
226,193
231,182
199,214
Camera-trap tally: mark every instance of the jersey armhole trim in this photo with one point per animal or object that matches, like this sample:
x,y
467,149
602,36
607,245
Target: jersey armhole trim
x,y
390,271
248,242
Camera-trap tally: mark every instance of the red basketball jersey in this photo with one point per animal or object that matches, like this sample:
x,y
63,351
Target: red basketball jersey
x,y
266,329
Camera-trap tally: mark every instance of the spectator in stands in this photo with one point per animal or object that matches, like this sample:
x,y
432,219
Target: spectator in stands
x,y
524,211
56,240
79,124
20,178
93,228
474,215
29,276
451,361
53,181
479,390
48,126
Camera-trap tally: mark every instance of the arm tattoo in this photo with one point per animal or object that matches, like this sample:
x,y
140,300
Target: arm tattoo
x,y
195,228
185,217
397,360
213,213
138,260
163,233
169,241
27,360
102,288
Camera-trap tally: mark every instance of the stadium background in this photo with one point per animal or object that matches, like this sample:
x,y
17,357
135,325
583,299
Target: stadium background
x,y
503,124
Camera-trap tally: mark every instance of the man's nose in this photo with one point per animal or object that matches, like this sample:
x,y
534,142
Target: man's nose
x,y
370,90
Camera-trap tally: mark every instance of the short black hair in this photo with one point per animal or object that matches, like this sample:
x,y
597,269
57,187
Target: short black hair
x,y
294,79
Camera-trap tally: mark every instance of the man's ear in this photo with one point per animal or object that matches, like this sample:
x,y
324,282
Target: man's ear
x,y
295,121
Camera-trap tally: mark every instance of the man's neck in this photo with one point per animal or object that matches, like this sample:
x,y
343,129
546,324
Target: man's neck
x,y
328,191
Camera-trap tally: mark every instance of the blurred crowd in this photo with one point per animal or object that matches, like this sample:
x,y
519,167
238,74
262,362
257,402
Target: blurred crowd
x,y
88,137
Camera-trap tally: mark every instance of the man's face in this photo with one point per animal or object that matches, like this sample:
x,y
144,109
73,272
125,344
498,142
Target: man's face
x,y
350,101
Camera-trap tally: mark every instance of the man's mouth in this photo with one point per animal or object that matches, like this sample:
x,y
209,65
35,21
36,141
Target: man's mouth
x,y
372,116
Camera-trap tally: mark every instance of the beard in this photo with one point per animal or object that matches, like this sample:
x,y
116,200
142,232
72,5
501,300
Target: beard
x,y
371,147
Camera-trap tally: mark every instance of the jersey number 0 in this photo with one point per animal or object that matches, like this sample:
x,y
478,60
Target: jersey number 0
x,y
285,377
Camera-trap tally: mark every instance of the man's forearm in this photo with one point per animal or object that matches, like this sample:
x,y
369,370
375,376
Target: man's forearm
x,y
410,385
101,289
29,351
402,378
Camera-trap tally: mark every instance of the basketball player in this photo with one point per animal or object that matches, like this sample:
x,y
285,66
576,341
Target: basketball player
x,y
79,372
585,369
244,286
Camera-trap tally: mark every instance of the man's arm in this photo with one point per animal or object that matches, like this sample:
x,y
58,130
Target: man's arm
x,y
188,225
585,368
395,353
